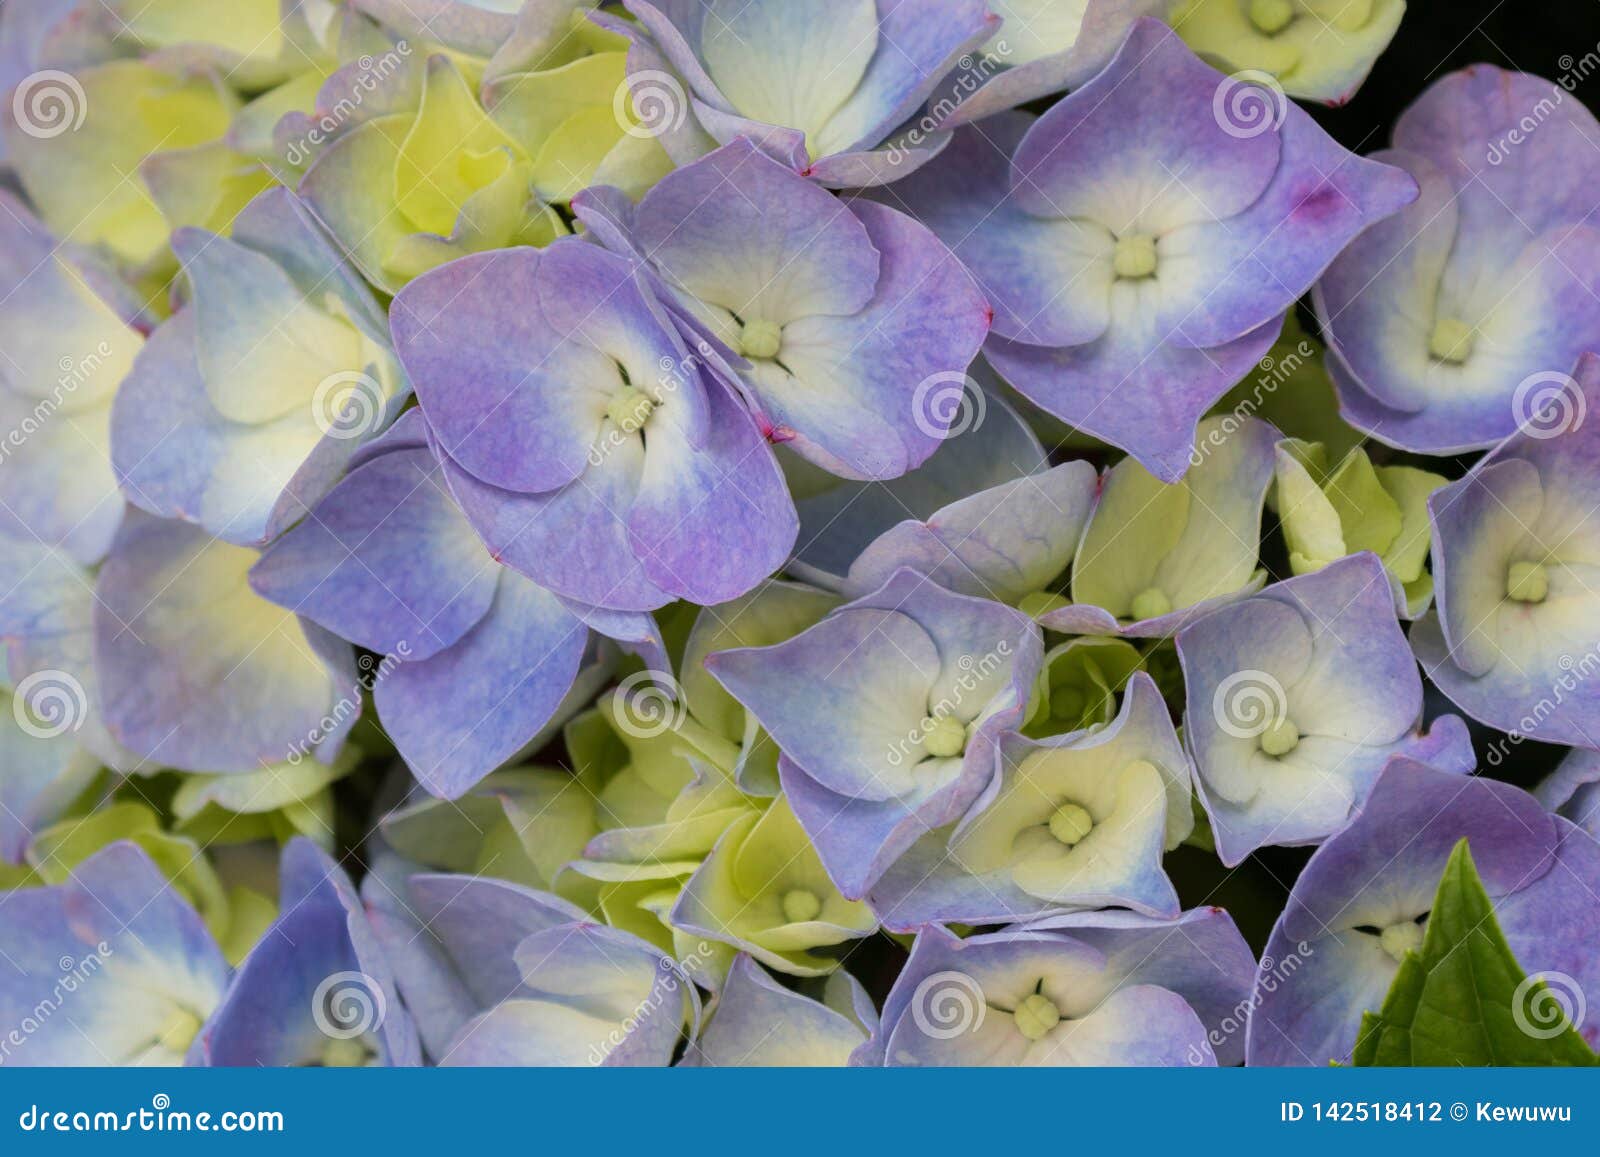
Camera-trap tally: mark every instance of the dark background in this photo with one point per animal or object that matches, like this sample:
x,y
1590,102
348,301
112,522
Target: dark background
x,y
1544,37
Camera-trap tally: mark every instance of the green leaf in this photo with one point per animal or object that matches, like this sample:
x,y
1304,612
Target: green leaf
x,y
1464,1000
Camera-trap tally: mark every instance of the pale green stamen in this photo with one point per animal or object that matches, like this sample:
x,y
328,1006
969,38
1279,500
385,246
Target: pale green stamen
x,y
345,1053
943,736
1398,939
1271,16
178,1030
1281,738
760,339
1527,582
1036,1016
1135,256
630,408
1451,341
1070,822
800,905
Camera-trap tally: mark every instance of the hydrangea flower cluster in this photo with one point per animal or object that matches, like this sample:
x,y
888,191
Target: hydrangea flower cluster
x,y
747,533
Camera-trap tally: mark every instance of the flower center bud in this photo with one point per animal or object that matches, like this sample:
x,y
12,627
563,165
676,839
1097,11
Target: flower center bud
x,y
1527,582
630,408
800,905
1036,1015
943,736
1070,822
1135,256
1150,603
178,1030
1281,738
345,1053
760,339
1398,939
1452,341
1271,16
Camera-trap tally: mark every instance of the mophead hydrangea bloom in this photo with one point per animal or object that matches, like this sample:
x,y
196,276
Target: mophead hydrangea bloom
x,y
1511,640
388,561
1169,262
141,969
1076,821
197,671
1448,321
281,1009
847,324
732,533
247,405
605,430
919,685
1332,509
1105,989
1296,698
